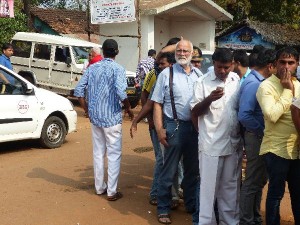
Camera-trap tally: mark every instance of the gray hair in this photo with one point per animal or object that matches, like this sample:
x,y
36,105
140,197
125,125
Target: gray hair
x,y
97,50
190,43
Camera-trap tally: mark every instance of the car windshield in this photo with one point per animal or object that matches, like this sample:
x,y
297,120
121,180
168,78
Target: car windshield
x,y
81,54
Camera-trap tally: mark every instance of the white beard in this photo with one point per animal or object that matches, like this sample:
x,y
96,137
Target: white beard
x,y
183,61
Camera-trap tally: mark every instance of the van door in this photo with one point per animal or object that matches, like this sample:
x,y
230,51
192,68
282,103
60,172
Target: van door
x,y
61,72
19,111
40,63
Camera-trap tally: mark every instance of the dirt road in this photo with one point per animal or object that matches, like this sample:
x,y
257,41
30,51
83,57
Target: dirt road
x,y
56,187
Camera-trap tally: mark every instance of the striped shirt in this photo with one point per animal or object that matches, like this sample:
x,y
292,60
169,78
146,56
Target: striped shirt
x,y
106,85
143,68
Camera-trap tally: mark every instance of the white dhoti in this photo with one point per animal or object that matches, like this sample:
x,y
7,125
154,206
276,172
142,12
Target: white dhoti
x,y
220,179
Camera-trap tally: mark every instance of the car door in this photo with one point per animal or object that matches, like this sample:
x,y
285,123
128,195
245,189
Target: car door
x,y
40,62
19,111
61,73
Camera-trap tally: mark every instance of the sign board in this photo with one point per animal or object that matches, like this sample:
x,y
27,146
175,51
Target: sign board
x,y
244,38
7,8
112,11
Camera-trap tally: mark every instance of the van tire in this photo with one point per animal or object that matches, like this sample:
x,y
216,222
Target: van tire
x,y
53,133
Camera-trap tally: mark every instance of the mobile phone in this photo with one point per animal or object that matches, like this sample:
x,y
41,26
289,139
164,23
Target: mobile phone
x,y
220,88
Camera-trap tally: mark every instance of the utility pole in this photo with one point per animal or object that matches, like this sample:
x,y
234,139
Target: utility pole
x,y
88,18
138,16
26,7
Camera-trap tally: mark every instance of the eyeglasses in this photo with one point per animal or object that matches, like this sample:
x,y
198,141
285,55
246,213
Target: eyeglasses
x,y
184,51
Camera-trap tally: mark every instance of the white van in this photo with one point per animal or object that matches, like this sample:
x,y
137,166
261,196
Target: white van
x,y
50,61
56,63
28,112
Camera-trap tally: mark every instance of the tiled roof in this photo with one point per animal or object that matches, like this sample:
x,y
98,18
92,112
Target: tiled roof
x,y
65,21
278,34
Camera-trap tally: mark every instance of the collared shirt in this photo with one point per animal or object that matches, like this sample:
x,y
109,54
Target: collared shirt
x,y
144,67
280,135
245,76
5,61
106,85
182,88
149,81
219,126
250,114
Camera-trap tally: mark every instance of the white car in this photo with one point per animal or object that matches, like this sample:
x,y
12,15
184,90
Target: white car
x,y
29,112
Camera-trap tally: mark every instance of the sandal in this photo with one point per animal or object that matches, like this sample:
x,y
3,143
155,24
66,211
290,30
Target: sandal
x,y
153,201
115,197
164,218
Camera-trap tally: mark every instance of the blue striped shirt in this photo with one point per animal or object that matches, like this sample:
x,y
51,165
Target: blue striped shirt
x,y
106,86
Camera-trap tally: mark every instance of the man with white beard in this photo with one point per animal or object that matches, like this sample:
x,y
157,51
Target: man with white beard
x,y
172,118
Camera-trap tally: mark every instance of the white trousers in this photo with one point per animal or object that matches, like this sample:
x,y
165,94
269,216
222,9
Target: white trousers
x,y
107,140
220,179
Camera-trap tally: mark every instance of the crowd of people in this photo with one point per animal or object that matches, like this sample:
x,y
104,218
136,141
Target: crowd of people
x,y
202,126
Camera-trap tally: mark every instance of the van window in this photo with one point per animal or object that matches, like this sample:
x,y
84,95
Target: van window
x,y
22,48
42,51
61,54
81,53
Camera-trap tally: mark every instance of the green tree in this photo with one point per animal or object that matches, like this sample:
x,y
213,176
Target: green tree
x,y
273,11
276,11
9,26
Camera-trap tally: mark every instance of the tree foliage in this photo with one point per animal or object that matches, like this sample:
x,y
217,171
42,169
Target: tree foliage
x,y
273,11
9,26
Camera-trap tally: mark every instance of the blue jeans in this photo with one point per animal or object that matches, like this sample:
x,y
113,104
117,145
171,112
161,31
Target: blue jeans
x,y
255,180
182,142
195,215
158,162
281,170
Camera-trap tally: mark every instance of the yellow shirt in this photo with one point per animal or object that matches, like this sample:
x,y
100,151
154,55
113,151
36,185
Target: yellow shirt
x,y
149,81
280,135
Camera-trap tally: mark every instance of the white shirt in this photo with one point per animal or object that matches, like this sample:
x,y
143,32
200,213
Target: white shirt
x,y
218,127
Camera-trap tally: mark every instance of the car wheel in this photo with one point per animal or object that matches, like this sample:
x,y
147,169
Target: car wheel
x,y
53,133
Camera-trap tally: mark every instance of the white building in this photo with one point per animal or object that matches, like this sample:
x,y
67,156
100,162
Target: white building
x,y
161,20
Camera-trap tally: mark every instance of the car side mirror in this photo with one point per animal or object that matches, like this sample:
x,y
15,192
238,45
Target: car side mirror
x,y
68,61
28,89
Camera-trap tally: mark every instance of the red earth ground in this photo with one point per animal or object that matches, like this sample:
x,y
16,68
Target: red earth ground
x,y
56,187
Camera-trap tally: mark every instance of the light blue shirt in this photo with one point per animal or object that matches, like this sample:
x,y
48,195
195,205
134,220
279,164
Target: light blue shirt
x,y
250,114
106,86
183,84
245,76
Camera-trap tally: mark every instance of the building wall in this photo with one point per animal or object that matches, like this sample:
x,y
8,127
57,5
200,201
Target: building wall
x,y
156,31
162,32
128,46
201,33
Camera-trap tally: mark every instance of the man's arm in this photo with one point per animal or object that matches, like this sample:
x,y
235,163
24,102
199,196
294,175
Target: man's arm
x,y
247,106
144,97
147,108
296,117
272,108
201,107
2,77
83,105
127,108
158,123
